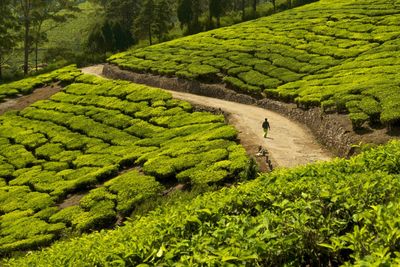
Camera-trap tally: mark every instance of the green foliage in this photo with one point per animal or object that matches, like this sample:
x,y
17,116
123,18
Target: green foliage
x,y
26,86
74,149
132,188
344,211
22,198
314,56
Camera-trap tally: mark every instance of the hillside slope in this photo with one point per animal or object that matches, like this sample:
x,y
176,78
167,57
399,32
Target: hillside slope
x,y
331,54
326,214
289,144
89,155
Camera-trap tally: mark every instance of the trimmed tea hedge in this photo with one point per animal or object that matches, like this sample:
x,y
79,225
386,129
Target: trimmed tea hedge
x,y
26,86
83,137
340,213
315,55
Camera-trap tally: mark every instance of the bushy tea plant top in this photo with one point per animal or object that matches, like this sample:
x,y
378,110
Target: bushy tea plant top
x,y
340,55
61,159
343,212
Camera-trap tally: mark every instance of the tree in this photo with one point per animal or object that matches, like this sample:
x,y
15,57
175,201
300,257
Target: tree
x,y
122,11
216,9
197,9
118,17
145,21
101,39
49,10
26,10
33,13
189,12
163,19
8,32
243,10
274,4
185,13
254,4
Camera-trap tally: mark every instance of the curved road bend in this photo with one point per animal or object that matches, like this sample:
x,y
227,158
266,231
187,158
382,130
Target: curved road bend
x,y
289,143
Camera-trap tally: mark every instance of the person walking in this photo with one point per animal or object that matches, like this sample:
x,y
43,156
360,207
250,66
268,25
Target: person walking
x,y
266,127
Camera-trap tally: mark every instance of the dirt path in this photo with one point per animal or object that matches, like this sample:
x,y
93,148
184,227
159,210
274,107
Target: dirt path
x,y
24,101
289,143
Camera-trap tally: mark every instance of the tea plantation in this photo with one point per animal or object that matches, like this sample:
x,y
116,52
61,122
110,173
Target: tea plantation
x,y
28,85
343,212
92,154
115,143
340,55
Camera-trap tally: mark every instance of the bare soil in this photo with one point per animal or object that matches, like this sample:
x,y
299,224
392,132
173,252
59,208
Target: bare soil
x,y
24,101
72,200
289,143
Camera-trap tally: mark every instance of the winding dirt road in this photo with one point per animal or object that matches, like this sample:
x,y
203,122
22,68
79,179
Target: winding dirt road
x,y
289,143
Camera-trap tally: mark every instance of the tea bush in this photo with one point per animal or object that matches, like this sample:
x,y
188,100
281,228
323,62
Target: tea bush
x,y
80,141
343,212
26,86
336,48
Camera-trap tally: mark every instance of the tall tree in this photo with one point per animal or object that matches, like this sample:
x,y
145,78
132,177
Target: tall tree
x,y
121,11
243,10
145,21
120,15
185,13
8,33
274,4
35,12
163,19
49,10
197,9
216,8
254,5
189,12
26,7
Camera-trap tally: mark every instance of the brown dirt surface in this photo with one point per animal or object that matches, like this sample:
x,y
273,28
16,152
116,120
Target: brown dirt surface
x,y
72,200
26,100
289,143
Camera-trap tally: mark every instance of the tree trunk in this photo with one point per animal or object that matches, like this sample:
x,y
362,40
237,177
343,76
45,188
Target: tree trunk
x,y
1,69
26,47
274,4
37,45
218,21
243,10
36,54
210,16
254,8
150,39
196,11
27,24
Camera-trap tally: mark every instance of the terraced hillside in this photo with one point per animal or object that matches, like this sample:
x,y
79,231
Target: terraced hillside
x,y
340,55
343,212
28,85
93,152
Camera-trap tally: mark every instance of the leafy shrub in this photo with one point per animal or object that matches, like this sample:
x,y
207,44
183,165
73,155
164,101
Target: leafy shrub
x,y
358,119
84,137
257,79
344,211
334,54
132,188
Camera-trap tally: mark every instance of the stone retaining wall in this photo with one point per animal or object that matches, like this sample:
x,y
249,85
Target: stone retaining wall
x,y
332,130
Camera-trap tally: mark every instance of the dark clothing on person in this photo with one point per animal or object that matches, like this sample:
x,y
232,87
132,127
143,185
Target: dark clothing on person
x,y
265,125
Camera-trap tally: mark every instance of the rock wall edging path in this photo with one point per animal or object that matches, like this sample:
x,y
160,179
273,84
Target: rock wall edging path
x,y
332,130
247,138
